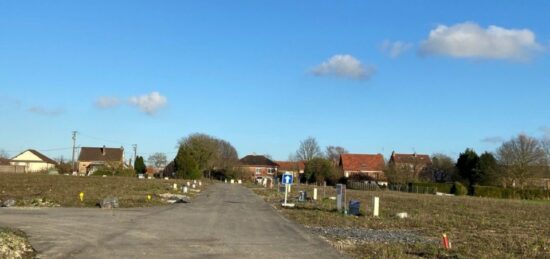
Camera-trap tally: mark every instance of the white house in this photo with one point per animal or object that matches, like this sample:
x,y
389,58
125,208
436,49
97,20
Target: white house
x,y
33,161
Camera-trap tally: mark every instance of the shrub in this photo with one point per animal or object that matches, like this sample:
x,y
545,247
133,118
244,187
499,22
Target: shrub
x,y
459,189
431,187
511,193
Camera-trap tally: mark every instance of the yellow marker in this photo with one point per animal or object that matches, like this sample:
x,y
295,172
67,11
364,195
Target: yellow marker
x,y
81,196
148,197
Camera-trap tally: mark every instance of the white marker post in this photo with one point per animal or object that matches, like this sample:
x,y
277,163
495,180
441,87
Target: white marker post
x,y
376,206
175,187
314,194
184,189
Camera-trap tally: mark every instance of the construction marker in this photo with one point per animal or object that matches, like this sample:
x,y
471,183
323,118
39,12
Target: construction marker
x,y
148,197
81,195
446,242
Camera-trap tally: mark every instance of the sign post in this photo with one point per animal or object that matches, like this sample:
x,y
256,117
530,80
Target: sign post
x,y
287,181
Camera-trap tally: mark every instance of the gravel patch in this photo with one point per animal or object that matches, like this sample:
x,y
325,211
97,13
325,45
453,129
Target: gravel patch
x,y
370,235
14,246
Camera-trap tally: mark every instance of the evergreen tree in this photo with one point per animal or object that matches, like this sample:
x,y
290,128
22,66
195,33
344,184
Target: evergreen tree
x,y
139,165
468,167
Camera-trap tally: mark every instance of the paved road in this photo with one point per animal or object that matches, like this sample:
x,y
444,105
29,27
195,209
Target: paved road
x,y
225,221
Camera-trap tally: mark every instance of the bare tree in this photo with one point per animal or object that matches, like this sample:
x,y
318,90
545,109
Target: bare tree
x,y
520,158
4,154
308,150
442,168
157,160
333,153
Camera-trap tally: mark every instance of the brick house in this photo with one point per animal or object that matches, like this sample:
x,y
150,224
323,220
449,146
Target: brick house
x,y
413,164
93,158
371,165
295,167
258,167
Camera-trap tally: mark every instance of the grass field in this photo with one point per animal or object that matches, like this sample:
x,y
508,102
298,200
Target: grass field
x,y
52,190
477,227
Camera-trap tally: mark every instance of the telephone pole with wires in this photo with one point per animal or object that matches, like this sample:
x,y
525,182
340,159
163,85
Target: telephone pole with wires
x,y
135,151
74,147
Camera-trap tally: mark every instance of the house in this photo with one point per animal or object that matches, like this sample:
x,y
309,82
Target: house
x,y
93,158
33,161
371,165
414,163
259,168
295,167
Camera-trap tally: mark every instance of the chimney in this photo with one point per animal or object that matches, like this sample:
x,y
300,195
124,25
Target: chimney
x,y
103,151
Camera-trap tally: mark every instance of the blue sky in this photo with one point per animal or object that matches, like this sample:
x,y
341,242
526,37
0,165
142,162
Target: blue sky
x,y
371,76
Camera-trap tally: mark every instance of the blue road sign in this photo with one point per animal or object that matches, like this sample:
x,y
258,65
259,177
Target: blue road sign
x,y
287,179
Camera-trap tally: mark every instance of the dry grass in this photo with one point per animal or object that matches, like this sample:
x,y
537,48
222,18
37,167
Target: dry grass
x,y
63,190
478,227
15,245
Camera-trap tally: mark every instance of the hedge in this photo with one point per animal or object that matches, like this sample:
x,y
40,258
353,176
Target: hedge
x,y
511,193
439,187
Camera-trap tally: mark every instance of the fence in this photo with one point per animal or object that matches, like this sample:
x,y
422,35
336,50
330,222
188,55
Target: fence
x,y
12,169
412,188
364,186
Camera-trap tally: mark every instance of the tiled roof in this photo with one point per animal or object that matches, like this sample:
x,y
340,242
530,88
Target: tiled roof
x,y
362,162
101,154
291,165
410,158
257,160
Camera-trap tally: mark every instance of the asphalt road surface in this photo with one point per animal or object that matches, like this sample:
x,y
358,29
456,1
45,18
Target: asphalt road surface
x,y
225,221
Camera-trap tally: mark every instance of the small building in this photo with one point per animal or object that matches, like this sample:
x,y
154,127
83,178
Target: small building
x,y
93,158
258,168
370,165
414,164
33,161
295,167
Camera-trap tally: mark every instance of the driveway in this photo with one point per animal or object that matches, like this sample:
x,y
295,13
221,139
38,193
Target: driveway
x,y
225,221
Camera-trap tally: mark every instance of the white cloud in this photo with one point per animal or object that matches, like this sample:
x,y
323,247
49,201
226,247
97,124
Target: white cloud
x,y
394,49
149,103
493,140
469,40
40,110
105,102
344,66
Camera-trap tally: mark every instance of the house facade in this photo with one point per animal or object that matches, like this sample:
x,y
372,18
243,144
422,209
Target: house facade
x,y
258,168
91,159
371,165
33,161
413,164
295,167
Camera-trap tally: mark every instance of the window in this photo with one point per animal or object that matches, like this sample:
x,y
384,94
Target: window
x,y
258,170
270,170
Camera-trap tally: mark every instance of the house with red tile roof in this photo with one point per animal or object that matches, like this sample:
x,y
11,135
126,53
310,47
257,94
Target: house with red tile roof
x,y
295,167
371,165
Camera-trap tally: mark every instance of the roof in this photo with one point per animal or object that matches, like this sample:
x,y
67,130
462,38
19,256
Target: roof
x,y
39,155
291,165
96,154
257,160
362,162
410,158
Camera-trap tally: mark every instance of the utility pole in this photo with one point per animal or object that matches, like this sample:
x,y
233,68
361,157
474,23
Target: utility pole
x,y
74,146
135,151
